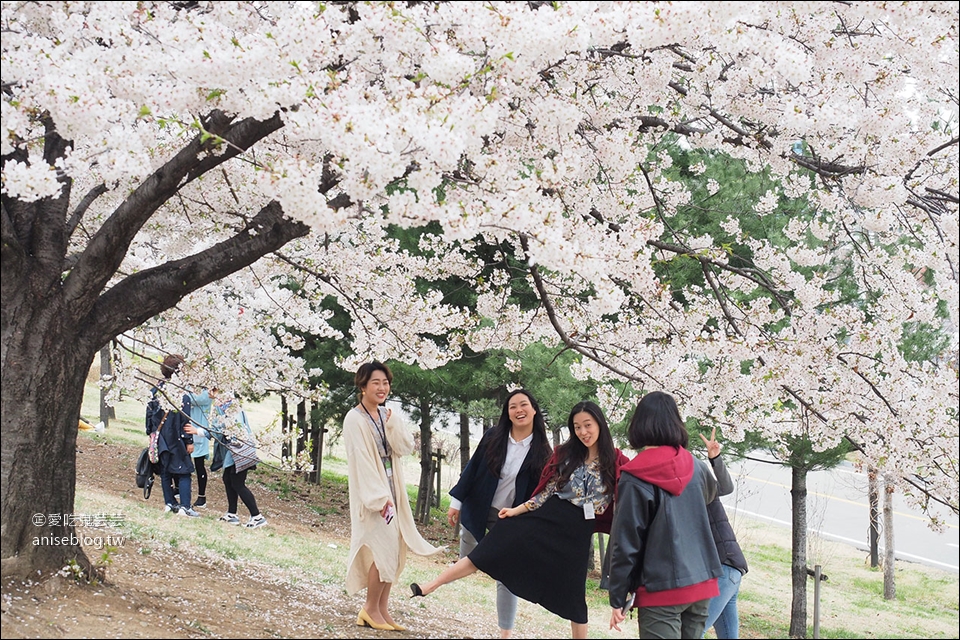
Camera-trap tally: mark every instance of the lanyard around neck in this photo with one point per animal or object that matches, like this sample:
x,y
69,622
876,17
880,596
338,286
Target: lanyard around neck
x,y
381,428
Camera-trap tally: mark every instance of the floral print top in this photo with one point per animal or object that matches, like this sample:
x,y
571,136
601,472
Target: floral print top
x,y
585,485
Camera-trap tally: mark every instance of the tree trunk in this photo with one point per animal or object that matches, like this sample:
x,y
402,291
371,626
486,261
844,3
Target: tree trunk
x,y
426,442
286,450
106,372
303,429
798,569
57,309
44,371
464,440
889,555
316,439
873,498
436,481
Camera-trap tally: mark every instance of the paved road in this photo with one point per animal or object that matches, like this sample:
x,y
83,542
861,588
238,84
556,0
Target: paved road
x,y
837,509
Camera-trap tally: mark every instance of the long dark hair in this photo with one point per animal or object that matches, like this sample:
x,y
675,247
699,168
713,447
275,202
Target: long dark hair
x,y
572,453
540,449
657,423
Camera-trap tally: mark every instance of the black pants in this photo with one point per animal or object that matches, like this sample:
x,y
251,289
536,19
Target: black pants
x,y
236,486
201,468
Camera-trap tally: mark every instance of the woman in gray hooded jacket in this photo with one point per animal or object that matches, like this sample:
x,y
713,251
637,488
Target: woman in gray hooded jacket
x,y
663,559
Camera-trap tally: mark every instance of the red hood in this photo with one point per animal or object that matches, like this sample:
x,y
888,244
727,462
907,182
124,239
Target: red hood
x,y
669,468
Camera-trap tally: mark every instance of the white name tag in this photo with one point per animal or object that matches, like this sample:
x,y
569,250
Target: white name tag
x,y
588,513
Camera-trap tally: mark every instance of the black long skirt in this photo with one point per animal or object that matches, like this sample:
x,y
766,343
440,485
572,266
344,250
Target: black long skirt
x,y
541,556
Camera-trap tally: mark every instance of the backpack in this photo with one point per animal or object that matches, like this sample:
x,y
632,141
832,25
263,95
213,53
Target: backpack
x,y
145,471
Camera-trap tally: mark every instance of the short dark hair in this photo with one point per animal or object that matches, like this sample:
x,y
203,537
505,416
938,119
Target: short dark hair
x,y
170,365
657,422
365,372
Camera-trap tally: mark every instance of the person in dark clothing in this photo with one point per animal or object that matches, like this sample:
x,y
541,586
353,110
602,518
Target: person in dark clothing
x,y
174,445
502,473
663,559
723,615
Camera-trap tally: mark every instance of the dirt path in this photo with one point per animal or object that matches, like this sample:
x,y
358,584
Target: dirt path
x,y
163,592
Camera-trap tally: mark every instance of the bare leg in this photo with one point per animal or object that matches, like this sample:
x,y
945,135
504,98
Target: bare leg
x,y
463,567
506,633
377,592
578,630
385,603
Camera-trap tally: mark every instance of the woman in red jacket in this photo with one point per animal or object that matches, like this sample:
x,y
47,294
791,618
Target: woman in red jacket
x,y
542,555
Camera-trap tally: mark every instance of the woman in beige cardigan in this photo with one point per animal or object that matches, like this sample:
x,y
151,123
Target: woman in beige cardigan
x,y
382,525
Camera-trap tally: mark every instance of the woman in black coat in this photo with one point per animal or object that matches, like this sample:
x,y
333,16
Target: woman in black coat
x,y
502,473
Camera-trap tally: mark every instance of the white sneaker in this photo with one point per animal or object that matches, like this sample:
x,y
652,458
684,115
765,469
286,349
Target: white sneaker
x,y
171,508
230,518
256,521
186,511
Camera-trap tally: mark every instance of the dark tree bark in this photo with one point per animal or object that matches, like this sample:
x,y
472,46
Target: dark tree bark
x,y
285,450
873,498
317,431
57,313
303,429
426,443
798,569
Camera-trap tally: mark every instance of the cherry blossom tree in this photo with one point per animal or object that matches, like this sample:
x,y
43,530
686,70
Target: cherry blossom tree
x,y
189,175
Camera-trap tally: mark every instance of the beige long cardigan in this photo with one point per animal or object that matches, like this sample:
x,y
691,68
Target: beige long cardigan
x,y
371,539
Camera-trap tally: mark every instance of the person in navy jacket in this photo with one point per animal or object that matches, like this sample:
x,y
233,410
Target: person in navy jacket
x,y
502,472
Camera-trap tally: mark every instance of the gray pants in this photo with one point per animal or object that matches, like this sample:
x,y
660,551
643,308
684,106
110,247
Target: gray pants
x,y
676,621
506,601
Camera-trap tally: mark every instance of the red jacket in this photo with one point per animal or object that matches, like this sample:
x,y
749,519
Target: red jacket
x,y
605,519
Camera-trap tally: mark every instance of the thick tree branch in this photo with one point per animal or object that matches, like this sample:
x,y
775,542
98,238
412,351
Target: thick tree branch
x,y
106,250
81,209
146,293
39,225
824,168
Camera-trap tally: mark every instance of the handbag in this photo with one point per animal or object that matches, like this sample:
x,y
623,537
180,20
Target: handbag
x,y
219,453
244,453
